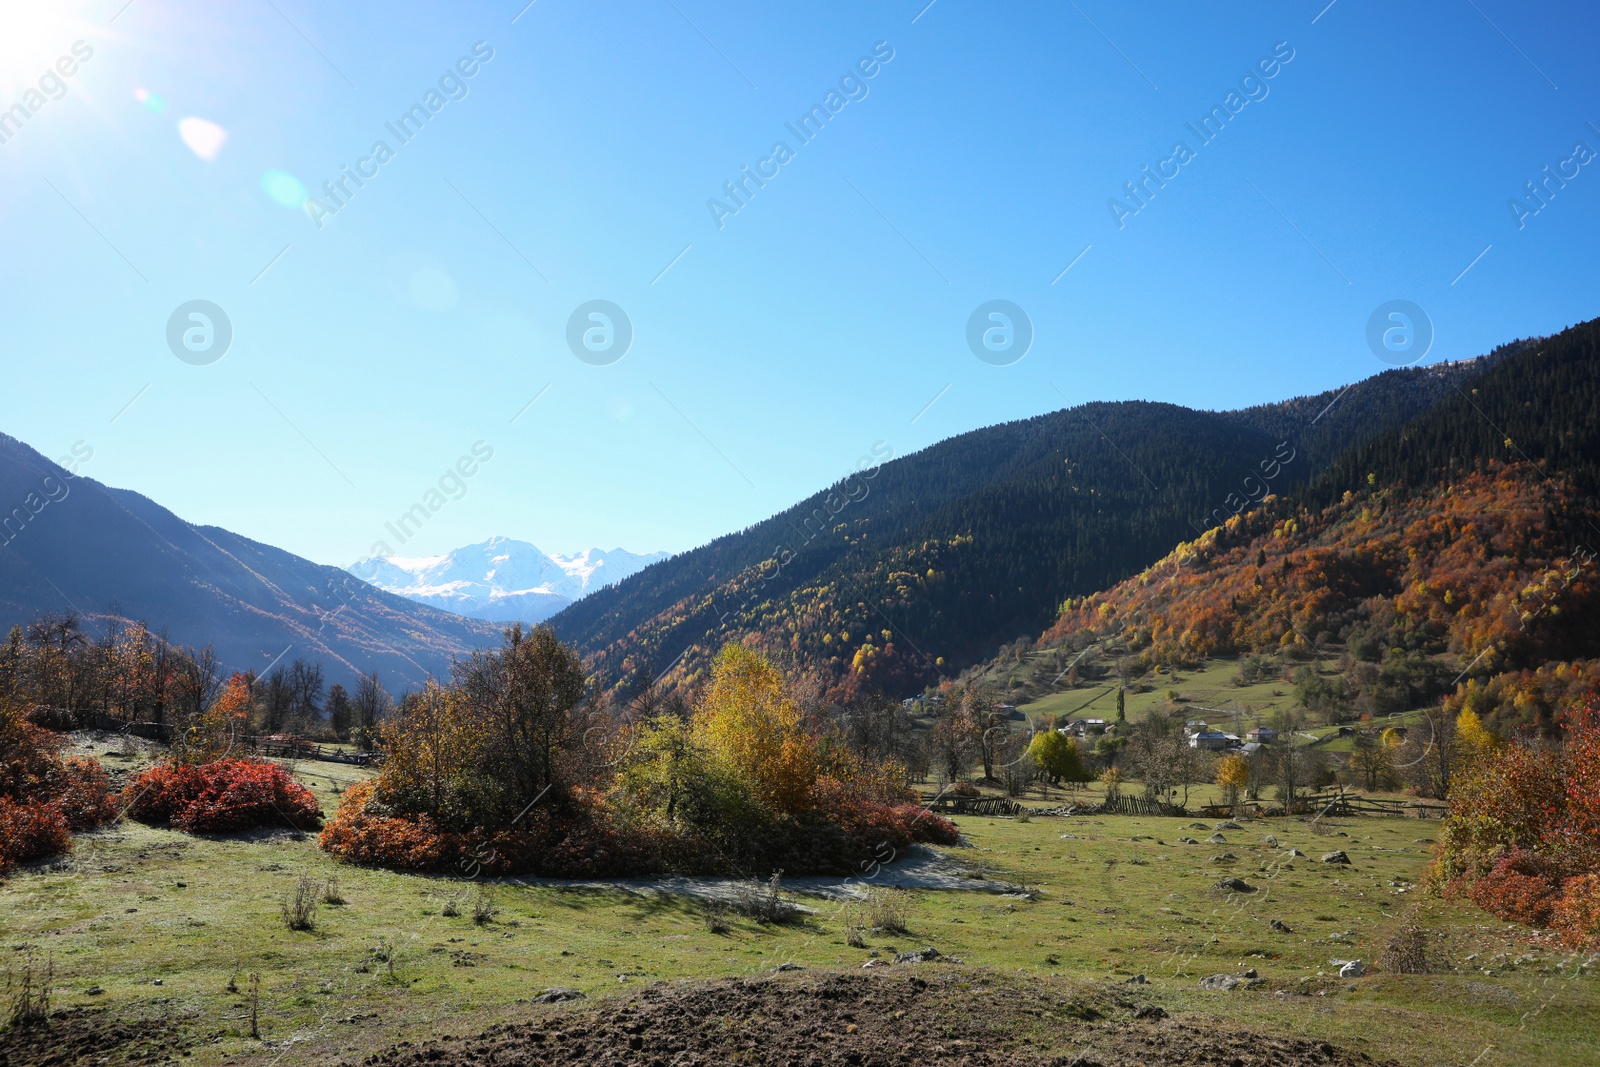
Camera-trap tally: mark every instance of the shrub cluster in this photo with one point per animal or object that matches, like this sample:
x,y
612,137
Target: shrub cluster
x,y
1523,837
44,797
744,784
581,840
223,796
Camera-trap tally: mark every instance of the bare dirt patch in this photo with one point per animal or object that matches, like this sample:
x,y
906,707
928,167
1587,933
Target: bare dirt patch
x,y
89,1035
926,1014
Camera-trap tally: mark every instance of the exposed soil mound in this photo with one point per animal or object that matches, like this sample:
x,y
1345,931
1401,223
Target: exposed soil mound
x,y
935,1014
88,1035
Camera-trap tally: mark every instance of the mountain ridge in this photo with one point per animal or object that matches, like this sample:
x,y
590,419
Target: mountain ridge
x,y
897,576
74,545
502,579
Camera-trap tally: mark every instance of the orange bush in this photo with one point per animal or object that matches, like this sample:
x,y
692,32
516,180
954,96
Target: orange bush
x,y
223,796
580,840
31,831
43,797
1521,887
582,837
85,794
1577,913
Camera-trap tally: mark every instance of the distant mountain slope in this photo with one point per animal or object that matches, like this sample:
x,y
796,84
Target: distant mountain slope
x,y
1472,530
71,544
908,571
1365,409
502,580
1540,406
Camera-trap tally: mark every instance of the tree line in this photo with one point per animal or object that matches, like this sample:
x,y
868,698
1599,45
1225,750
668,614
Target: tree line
x,y
128,672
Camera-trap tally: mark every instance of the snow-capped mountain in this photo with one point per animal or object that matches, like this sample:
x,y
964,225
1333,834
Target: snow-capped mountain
x,y
502,580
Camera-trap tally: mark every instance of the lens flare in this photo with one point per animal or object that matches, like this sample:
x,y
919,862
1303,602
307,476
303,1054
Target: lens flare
x,y
153,102
283,188
204,138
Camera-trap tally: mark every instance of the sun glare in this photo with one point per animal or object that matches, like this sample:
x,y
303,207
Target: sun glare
x,y
35,37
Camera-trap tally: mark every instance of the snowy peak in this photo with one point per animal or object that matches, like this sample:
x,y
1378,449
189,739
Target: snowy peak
x,y
501,579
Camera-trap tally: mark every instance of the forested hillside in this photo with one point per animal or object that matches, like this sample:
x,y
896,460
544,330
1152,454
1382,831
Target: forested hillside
x,y
905,573
1466,537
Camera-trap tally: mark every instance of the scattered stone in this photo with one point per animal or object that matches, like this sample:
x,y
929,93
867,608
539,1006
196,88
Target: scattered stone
x,y
1228,824
1188,841
1278,926
1217,839
557,994
788,967
1235,885
1271,841
1220,983
157,981
94,991
1295,853
1350,968
1137,979
875,963
919,956
1198,826
1336,856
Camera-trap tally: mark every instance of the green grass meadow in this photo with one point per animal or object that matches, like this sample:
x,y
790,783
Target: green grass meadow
x,y
1108,898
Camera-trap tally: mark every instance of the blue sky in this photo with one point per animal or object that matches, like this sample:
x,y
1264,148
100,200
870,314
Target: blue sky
x,y
370,354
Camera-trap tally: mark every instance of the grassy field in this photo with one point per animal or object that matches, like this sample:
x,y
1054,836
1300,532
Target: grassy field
x,y
1209,690
1109,898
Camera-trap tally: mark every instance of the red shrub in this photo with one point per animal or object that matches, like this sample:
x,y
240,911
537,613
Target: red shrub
x,y
1577,913
1522,887
31,831
356,834
577,839
581,837
965,789
43,797
85,794
224,796
29,757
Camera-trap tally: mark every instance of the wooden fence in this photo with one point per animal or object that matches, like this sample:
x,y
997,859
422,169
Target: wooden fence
x,y
957,805
1342,804
271,747
1126,804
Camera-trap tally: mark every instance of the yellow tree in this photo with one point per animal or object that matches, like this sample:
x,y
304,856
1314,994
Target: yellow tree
x,y
1472,739
1233,775
1057,755
752,727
